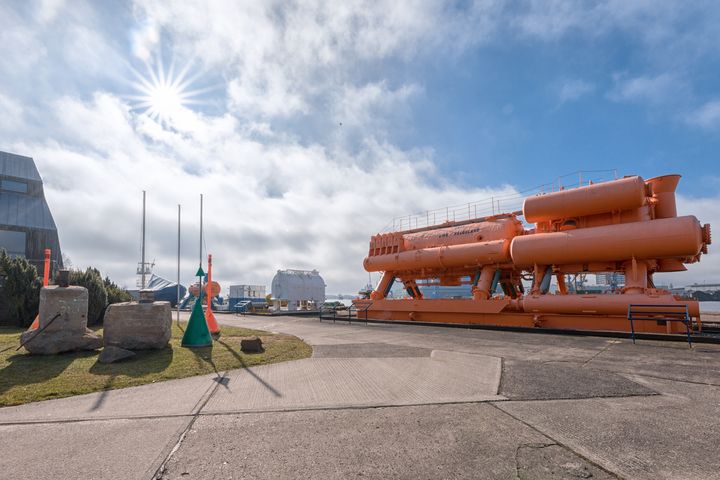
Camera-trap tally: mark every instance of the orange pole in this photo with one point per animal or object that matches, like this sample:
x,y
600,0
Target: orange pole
x,y
46,280
46,271
209,317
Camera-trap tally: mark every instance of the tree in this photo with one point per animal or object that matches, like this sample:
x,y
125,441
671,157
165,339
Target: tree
x,y
19,288
115,294
97,295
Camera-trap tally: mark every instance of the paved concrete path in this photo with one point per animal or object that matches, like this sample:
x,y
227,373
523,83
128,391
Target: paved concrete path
x,y
394,401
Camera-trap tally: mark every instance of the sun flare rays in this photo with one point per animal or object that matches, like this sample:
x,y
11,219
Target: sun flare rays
x,y
164,94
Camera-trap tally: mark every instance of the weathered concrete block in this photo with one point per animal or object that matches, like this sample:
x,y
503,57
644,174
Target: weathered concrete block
x,y
138,326
112,354
70,302
68,331
252,345
51,343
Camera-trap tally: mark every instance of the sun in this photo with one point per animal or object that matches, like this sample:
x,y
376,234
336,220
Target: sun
x,y
163,94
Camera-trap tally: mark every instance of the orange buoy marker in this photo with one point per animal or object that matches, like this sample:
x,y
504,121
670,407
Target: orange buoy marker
x,y
209,317
196,333
46,281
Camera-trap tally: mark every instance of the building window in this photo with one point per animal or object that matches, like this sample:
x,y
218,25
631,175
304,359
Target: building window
x,y
13,242
13,186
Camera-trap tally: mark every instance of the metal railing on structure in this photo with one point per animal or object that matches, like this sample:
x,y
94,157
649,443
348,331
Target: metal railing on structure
x,y
659,313
511,202
346,314
242,307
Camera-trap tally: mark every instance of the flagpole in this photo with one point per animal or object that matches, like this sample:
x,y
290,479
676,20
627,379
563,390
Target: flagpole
x,y
142,260
178,269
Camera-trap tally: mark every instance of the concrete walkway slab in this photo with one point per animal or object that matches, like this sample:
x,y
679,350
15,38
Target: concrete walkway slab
x,y
654,358
126,449
343,382
368,350
174,397
415,443
545,381
669,436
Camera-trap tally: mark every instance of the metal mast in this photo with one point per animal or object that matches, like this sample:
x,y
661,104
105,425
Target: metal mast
x,y
201,229
178,268
142,255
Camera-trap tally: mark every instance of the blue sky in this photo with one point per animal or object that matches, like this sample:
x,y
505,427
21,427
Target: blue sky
x,y
313,124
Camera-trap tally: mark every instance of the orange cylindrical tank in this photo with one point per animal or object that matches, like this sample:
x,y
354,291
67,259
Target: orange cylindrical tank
x,y
499,229
624,194
600,304
465,255
663,191
665,238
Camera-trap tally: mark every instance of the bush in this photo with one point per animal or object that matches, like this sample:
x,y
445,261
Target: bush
x,y
97,295
115,294
20,289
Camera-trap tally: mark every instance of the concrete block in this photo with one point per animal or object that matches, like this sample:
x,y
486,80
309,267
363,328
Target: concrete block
x,y
67,332
51,343
112,354
252,345
71,302
138,326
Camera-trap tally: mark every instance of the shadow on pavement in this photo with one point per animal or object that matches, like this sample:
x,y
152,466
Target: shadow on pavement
x,y
249,370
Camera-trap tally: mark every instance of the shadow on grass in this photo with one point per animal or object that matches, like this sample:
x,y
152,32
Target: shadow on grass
x,y
26,369
143,363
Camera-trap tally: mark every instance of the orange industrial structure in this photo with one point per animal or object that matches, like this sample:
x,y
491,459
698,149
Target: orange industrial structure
x,y
628,226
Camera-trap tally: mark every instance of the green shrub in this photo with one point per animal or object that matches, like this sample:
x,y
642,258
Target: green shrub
x,y
97,295
20,289
115,294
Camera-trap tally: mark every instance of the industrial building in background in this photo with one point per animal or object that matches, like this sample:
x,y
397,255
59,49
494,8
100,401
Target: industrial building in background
x,y
625,229
27,227
246,295
297,290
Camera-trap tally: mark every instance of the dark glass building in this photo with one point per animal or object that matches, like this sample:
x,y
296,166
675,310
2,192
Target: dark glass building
x,y
27,227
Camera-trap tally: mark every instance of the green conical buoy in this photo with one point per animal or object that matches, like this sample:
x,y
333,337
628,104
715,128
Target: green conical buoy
x,y
196,332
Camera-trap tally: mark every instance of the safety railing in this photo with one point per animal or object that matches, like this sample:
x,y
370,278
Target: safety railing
x,y
508,200
242,307
346,314
659,313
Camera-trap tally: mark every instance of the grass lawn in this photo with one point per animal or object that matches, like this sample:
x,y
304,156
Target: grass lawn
x,y
29,378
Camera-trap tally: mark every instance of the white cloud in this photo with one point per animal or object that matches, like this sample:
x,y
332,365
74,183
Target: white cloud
x,y
371,110
285,58
652,89
708,269
572,89
267,206
48,10
11,114
276,195
551,19
145,40
20,45
707,116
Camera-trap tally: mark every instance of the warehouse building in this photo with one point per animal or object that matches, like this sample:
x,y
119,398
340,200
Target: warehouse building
x,y
298,290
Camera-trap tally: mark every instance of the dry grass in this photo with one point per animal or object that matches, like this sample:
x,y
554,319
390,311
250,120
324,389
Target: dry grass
x,y
27,378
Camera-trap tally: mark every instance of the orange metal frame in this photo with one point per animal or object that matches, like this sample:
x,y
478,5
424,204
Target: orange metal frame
x,y
629,226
